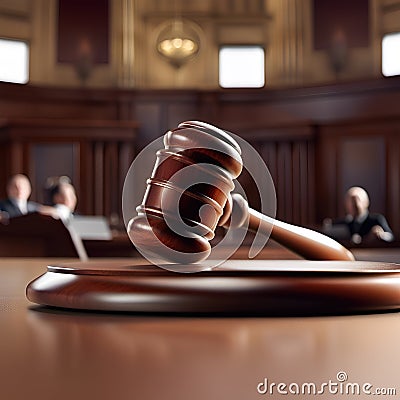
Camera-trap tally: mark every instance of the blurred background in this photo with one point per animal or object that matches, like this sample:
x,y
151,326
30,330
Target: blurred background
x,y
311,84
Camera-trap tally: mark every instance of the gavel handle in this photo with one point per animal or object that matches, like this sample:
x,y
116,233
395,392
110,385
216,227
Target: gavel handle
x,y
307,243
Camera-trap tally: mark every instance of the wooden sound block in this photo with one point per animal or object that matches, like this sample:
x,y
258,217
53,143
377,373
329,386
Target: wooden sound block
x,y
256,287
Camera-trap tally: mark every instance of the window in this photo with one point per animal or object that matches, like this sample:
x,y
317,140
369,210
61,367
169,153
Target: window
x,y
14,61
241,66
391,54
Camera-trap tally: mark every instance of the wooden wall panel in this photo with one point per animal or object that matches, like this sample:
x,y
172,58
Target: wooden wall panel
x,y
289,156
331,16
98,168
52,159
87,171
95,154
306,136
363,154
85,39
151,116
393,179
362,162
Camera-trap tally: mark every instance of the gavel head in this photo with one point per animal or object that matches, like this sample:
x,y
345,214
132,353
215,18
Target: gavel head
x,y
188,194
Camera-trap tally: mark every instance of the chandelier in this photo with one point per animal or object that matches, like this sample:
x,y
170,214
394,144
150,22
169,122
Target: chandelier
x,y
178,42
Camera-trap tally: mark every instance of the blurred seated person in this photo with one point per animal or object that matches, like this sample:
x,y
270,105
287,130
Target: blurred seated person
x,y
62,197
18,191
63,200
359,223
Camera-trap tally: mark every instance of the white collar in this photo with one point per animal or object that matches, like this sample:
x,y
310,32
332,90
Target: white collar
x,y
21,204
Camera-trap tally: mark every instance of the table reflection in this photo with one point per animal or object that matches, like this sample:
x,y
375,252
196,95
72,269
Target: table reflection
x,y
50,354
202,358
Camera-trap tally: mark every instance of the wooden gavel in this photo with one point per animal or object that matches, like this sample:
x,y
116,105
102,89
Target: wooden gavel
x,y
189,195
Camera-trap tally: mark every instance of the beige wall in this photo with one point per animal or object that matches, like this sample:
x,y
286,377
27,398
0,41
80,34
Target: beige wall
x,y
285,29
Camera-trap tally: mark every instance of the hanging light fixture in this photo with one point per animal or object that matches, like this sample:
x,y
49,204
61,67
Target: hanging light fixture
x,y
178,41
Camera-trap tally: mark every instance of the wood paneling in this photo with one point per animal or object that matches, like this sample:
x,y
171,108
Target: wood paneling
x,y
308,137
360,153
52,159
332,16
85,39
95,154
362,162
289,156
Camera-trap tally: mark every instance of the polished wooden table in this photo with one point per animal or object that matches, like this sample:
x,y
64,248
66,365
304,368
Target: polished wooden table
x,y
53,354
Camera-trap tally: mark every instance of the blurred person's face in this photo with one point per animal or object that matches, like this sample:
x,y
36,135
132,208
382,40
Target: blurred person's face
x,y
19,188
67,197
356,202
